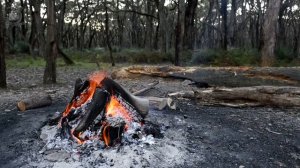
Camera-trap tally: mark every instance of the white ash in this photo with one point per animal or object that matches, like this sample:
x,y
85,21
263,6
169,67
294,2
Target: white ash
x,y
147,152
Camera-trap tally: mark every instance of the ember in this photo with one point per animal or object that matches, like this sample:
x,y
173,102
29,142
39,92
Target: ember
x,y
101,109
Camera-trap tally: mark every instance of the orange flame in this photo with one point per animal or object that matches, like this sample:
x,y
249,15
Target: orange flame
x,y
95,81
115,108
106,136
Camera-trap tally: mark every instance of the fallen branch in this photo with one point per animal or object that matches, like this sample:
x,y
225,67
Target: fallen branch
x,y
150,86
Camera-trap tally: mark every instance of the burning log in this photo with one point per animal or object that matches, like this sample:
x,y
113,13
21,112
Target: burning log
x,y
35,101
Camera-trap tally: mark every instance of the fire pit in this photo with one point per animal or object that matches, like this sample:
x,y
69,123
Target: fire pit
x,y
102,110
105,125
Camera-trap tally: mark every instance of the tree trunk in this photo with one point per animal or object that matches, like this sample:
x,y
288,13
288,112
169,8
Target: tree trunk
x,y
2,49
233,23
149,27
107,36
23,25
60,31
7,10
38,26
51,50
224,24
162,26
189,28
269,33
179,32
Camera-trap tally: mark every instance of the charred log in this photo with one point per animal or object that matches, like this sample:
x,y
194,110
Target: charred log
x,y
94,108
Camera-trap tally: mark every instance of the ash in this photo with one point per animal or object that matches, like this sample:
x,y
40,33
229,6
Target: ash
x,y
139,148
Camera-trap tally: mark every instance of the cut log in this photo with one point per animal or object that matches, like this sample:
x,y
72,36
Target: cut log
x,y
161,103
282,96
35,101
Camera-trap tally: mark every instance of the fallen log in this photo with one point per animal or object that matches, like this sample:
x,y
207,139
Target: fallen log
x,y
217,76
283,96
158,71
35,101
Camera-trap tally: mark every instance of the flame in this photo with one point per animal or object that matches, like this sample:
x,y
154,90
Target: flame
x,y
106,136
116,109
79,141
95,81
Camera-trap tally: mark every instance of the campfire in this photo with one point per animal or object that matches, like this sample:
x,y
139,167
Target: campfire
x,y
102,110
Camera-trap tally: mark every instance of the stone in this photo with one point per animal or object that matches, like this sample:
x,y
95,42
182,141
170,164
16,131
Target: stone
x,y
57,156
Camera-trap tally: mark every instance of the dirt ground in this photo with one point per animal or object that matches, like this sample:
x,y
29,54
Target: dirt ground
x,y
209,136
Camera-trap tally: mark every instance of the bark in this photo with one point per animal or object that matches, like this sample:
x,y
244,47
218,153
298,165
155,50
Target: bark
x,y
179,32
269,33
189,24
2,49
107,35
51,50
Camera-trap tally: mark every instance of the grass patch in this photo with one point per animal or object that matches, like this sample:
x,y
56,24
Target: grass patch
x,y
25,62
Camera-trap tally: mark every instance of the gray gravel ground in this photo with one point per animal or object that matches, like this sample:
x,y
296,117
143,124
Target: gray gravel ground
x,y
199,136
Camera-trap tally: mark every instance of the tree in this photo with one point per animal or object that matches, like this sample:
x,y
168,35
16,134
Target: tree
x,y
107,34
2,49
233,23
37,31
224,24
269,33
189,22
51,46
179,31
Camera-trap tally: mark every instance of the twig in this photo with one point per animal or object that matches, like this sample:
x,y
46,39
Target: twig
x,y
151,86
278,133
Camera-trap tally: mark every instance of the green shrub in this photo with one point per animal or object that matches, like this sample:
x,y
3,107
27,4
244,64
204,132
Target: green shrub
x,y
237,57
20,47
203,56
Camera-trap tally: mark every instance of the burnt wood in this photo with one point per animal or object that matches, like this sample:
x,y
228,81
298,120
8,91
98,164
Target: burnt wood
x,y
94,108
141,105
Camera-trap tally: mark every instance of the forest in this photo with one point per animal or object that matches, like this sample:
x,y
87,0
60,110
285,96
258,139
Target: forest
x,y
191,32
149,83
